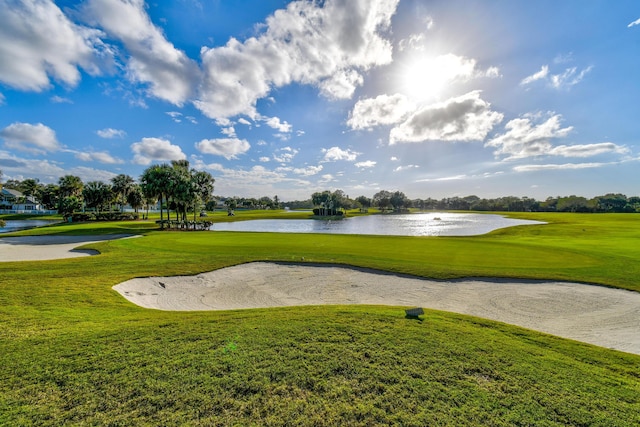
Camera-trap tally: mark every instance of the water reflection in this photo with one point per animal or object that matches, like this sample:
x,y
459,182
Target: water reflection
x,y
424,224
17,225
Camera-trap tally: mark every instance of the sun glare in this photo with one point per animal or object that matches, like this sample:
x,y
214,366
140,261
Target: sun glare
x,y
427,78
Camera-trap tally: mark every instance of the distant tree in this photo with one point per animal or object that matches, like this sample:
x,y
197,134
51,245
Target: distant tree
x,y
97,195
202,183
121,186
29,186
399,201
70,185
364,201
49,196
156,184
135,197
382,199
68,205
12,184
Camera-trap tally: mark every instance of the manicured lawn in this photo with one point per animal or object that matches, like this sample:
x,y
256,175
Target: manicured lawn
x,y
73,352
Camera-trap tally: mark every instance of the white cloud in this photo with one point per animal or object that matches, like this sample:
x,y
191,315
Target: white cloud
x,y
565,166
229,148
336,153
264,159
325,44
540,75
176,116
382,110
275,123
229,131
150,149
308,171
465,118
569,77
110,133
99,156
588,150
38,41
37,139
341,85
244,121
636,22
255,182
60,100
414,41
285,155
153,60
525,138
366,164
407,167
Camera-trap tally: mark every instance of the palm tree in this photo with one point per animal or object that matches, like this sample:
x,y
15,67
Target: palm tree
x,y
122,185
156,184
97,194
203,186
182,193
70,194
135,198
70,185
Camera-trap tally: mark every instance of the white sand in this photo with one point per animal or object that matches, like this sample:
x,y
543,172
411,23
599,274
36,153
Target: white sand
x,y
40,248
592,314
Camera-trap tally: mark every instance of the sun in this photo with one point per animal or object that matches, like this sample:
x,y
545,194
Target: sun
x,y
427,78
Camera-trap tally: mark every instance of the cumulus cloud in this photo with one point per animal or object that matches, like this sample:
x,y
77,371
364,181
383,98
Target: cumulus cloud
x,y
366,164
110,133
153,60
336,153
527,137
465,118
150,149
98,156
37,41
328,44
36,139
229,148
382,110
308,171
285,155
275,123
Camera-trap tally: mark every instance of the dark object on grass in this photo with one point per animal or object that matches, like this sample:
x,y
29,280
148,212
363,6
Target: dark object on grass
x,y
413,313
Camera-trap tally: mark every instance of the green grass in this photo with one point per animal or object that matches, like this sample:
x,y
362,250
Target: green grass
x,y
73,352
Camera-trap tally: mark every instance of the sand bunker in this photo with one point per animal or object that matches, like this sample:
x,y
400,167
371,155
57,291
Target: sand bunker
x,y
593,314
40,248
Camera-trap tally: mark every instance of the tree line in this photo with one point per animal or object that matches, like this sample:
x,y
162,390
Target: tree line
x,y
397,201
175,186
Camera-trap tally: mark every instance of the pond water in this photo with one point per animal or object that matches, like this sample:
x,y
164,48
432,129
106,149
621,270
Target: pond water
x,y
16,225
423,224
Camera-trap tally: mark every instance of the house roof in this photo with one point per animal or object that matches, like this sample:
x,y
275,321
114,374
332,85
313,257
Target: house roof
x,y
12,193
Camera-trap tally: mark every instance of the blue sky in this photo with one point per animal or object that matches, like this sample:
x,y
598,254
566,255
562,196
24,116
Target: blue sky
x,y
432,98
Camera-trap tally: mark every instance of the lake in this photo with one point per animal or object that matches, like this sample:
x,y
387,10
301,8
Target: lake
x,y
422,224
16,225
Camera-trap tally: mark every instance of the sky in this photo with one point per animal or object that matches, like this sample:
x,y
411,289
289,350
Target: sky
x,y
432,98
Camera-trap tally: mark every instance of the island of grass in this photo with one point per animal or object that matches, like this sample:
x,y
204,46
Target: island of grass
x,y
74,352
